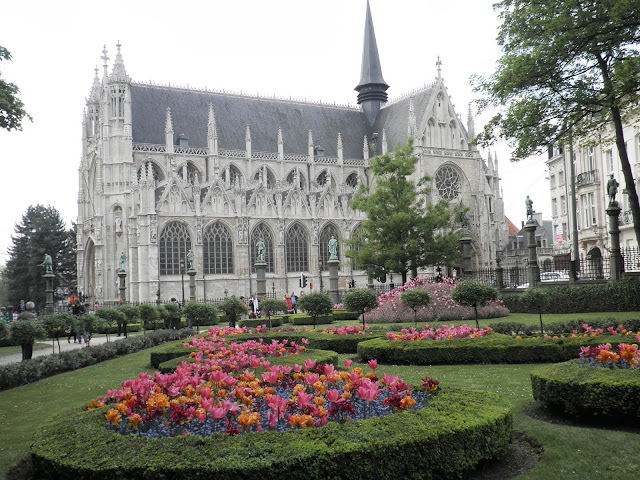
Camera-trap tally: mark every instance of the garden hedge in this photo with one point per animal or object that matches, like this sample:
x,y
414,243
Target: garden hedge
x,y
450,436
322,357
317,340
495,348
256,322
582,390
621,296
518,328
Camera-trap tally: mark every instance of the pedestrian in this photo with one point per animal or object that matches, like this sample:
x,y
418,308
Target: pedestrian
x,y
287,298
294,301
77,310
254,306
22,307
4,315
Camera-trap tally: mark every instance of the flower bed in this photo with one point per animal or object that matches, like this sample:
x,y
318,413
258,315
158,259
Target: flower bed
x,y
445,332
494,348
451,435
582,387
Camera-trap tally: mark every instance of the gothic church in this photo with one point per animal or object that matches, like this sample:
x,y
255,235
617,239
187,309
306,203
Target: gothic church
x,y
166,170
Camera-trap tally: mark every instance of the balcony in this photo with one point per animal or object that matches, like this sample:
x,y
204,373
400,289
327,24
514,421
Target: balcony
x,y
587,178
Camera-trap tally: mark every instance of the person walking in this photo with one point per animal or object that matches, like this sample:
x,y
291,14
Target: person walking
x,y
294,301
77,310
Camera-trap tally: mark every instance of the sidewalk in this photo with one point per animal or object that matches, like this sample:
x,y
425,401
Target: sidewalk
x,y
64,347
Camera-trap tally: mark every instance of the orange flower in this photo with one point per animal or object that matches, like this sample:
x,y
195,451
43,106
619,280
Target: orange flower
x,y
317,401
246,419
407,402
113,416
122,408
95,404
134,420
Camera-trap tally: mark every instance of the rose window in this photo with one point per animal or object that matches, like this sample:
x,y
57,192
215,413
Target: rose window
x,y
448,183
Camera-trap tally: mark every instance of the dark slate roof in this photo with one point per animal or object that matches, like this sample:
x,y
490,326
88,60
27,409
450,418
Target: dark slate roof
x,y
190,112
394,117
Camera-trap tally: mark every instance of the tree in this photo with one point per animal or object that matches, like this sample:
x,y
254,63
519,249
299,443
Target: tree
x,y
316,304
360,300
12,111
534,299
271,306
200,312
568,68
401,233
474,294
41,231
415,299
55,326
131,313
232,307
149,315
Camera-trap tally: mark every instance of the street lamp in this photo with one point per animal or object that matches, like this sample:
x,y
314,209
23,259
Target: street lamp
x,y
321,274
182,275
273,289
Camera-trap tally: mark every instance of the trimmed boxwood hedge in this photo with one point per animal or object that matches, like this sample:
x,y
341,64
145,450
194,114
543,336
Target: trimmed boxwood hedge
x,y
582,390
495,348
308,320
456,431
322,356
255,322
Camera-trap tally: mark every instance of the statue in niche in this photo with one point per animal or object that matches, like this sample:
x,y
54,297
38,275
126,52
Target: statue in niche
x,y
123,261
118,227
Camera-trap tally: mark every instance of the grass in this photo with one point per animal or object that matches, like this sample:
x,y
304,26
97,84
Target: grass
x,y
570,451
17,349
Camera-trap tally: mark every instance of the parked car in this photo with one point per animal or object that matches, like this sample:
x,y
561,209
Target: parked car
x,y
555,276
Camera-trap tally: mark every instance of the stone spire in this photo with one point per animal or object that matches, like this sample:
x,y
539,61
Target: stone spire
x,y
411,130
119,74
490,162
94,96
339,148
212,132
168,131
471,129
365,148
247,141
372,89
384,142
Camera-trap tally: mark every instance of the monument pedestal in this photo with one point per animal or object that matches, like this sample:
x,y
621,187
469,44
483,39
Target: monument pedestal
x,y
192,284
48,305
467,270
616,262
534,269
261,281
333,279
122,275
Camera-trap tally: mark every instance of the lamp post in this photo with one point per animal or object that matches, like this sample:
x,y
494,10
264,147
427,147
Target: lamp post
x,y
182,275
273,289
225,293
321,286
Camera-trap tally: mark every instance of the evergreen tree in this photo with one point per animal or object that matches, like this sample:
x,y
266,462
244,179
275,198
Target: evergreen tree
x,y
41,231
568,68
12,110
402,232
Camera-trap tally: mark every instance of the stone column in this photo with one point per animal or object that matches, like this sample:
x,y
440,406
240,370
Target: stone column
x,y
333,279
467,269
122,275
48,306
534,269
192,284
616,262
499,275
261,281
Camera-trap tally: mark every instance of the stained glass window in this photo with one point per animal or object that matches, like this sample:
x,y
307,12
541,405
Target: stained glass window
x,y
447,183
217,249
174,243
296,249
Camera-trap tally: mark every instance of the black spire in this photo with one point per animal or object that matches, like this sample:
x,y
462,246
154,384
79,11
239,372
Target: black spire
x,y
372,89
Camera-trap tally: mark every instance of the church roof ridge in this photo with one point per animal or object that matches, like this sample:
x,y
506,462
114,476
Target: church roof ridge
x,y
404,96
241,94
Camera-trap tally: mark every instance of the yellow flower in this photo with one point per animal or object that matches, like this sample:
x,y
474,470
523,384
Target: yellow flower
x,y
113,416
134,420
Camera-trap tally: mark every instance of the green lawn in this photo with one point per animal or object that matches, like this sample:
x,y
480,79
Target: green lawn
x,y
570,451
18,349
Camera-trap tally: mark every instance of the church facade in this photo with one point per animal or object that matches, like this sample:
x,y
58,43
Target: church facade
x,y
168,170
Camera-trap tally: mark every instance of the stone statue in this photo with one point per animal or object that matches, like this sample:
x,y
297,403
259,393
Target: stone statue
x,y
612,189
190,258
118,225
529,203
47,264
333,248
464,222
123,261
260,246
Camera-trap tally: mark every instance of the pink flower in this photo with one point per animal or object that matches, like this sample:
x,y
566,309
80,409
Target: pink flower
x,y
304,399
333,395
373,364
348,363
368,394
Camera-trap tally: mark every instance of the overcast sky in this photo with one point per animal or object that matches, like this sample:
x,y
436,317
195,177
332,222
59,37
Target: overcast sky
x,y
299,48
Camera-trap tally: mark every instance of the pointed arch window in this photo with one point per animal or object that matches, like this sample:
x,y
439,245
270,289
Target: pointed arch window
x,y
174,243
217,249
234,176
328,231
296,249
270,181
291,178
357,235
262,233
151,169
352,180
447,183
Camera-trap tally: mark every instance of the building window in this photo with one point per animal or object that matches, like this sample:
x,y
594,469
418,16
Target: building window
x,y
585,211
352,180
326,234
592,209
235,177
552,181
591,159
174,244
561,177
447,183
563,205
263,234
291,178
554,207
265,176
296,249
565,231
610,160
217,249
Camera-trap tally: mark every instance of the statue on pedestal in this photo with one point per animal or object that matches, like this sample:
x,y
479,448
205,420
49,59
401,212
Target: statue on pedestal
x,y
123,261
333,248
190,259
529,204
612,189
260,246
464,222
47,264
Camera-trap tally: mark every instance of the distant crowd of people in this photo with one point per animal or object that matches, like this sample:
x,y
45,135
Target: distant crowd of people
x,y
253,305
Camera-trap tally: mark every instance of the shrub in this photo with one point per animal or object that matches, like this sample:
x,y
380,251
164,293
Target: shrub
x,y
474,294
453,434
415,299
270,306
535,300
233,307
148,315
316,304
361,300
583,390
344,315
201,313
256,322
